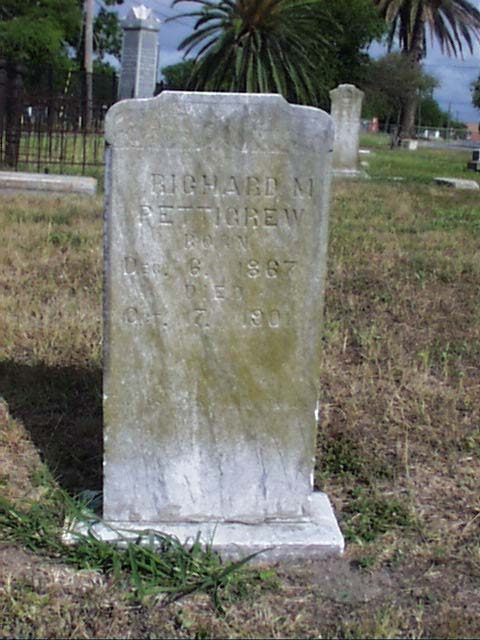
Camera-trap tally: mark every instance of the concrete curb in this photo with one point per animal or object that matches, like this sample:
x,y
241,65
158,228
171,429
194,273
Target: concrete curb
x,y
46,184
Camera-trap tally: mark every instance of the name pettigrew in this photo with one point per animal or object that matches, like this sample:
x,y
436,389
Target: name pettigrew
x,y
161,214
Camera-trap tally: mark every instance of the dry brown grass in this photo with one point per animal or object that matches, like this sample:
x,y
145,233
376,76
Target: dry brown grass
x,y
399,439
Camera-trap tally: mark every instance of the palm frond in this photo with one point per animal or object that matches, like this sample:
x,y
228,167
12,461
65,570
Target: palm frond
x,y
257,45
454,24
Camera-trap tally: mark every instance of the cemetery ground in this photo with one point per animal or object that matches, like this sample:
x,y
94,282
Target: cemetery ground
x,y
398,441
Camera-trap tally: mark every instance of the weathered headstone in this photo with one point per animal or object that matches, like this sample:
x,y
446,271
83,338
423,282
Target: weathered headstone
x,y
346,111
216,238
139,54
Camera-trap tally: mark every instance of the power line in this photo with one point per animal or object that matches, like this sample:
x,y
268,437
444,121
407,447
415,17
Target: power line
x,y
452,66
453,101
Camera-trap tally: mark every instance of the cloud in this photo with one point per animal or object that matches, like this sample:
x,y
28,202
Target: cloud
x,y
454,74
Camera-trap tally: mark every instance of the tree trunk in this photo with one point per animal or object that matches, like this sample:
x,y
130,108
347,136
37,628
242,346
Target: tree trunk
x,y
407,123
414,51
88,64
3,103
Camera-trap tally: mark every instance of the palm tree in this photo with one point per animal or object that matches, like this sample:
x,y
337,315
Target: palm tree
x,y
451,22
257,46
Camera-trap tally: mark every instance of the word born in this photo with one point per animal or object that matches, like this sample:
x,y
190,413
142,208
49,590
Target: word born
x,y
209,242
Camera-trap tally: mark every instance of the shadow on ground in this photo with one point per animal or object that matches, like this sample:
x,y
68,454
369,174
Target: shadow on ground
x,y
61,408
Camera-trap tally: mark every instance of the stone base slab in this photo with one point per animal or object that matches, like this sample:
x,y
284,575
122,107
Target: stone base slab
x,y
457,183
18,182
277,540
357,174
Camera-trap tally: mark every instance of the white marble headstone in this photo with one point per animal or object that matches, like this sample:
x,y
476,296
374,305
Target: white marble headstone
x,y
215,252
346,111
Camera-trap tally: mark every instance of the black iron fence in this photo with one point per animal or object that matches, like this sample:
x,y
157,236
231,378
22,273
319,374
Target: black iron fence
x,y
50,132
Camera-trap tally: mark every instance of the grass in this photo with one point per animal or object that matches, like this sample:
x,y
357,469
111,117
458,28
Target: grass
x,y
398,442
414,166
154,564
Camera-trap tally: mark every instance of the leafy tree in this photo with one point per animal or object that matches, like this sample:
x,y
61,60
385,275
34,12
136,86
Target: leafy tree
x,y
32,33
177,76
107,32
360,24
37,31
40,34
452,23
389,83
476,93
430,113
258,45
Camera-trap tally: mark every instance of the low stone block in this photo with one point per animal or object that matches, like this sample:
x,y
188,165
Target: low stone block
x,y
457,183
411,145
353,174
46,184
474,165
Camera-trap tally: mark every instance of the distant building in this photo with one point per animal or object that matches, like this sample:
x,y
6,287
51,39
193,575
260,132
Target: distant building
x,y
473,128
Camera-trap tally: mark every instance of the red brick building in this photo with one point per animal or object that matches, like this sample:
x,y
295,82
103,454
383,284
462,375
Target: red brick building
x,y
473,128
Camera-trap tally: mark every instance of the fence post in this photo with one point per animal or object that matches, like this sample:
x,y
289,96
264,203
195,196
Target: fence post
x,y
3,104
14,113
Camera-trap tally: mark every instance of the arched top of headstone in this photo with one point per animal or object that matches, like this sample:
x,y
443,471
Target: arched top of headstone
x,y
276,123
349,90
141,17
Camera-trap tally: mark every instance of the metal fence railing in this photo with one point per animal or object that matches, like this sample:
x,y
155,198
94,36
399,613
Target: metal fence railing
x,y
424,132
52,134
52,128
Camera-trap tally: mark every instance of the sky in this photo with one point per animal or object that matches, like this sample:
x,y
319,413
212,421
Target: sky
x,y
454,74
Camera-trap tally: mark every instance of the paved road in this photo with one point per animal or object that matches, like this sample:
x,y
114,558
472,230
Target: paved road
x,y
454,144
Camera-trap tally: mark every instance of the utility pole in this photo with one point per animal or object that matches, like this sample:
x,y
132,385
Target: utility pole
x,y
448,120
88,65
